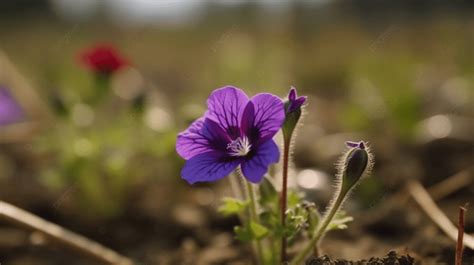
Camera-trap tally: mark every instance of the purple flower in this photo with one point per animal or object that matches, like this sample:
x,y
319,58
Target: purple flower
x,y
352,144
234,131
295,102
10,110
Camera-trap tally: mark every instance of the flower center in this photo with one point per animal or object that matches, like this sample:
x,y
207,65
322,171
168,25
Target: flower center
x,y
239,146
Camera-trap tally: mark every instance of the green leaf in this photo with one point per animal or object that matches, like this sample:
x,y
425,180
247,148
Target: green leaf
x,y
271,220
251,231
294,198
268,193
296,222
313,220
340,221
243,234
258,231
232,206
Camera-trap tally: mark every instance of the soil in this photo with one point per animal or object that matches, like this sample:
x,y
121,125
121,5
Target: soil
x,y
392,258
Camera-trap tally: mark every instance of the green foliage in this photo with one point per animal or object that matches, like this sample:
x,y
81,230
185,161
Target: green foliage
x,y
313,216
302,217
243,234
232,206
296,221
339,222
268,193
251,231
389,90
295,198
105,158
258,231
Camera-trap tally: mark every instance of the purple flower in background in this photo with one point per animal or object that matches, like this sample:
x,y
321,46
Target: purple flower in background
x,y
10,110
295,102
234,131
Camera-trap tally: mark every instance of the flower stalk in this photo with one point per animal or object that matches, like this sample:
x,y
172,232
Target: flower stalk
x,y
102,87
292,116
284,199
254,218
236,132
355,163
313,243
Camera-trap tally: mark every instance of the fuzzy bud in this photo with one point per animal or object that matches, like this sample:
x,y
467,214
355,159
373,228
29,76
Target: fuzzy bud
x,y
357,161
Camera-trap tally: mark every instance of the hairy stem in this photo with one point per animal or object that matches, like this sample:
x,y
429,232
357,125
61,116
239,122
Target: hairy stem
x,y
313,243
283,198
236,186
255,218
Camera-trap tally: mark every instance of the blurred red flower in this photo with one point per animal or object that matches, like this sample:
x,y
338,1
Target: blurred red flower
x,y
102,59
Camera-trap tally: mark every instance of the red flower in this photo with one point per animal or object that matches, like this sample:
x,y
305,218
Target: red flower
x,y
103,59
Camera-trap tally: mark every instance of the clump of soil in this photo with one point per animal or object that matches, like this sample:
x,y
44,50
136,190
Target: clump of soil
x,y
392,258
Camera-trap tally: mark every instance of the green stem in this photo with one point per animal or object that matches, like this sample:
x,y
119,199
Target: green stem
x,y
101,88
255,218
283,198
321,229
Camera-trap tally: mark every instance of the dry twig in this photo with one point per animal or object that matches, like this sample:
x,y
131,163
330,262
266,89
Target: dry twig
x,y
451,184
77,242
20,132
422,197
459,244
437,192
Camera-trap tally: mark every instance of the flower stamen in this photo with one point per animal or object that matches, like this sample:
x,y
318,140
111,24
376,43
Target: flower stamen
x,y
239,147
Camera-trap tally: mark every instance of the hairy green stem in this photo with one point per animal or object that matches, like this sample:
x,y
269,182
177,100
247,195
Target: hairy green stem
x,y
313,243
236,186
255,218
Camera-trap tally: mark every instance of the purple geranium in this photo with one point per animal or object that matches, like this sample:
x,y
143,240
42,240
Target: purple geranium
x,y
352,144
295,102
234,131
10,110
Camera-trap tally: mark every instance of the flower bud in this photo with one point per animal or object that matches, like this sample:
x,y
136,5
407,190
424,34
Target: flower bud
x,y
292,112
357,162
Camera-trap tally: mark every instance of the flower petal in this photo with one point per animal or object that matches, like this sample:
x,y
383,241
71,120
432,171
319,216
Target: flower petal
x,y
225,107
263,117
202,136
292,94
103,58
209,166
10,110
295,102
218,138
257,165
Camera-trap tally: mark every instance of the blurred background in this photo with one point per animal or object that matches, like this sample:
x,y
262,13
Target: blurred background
x,y
98,157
